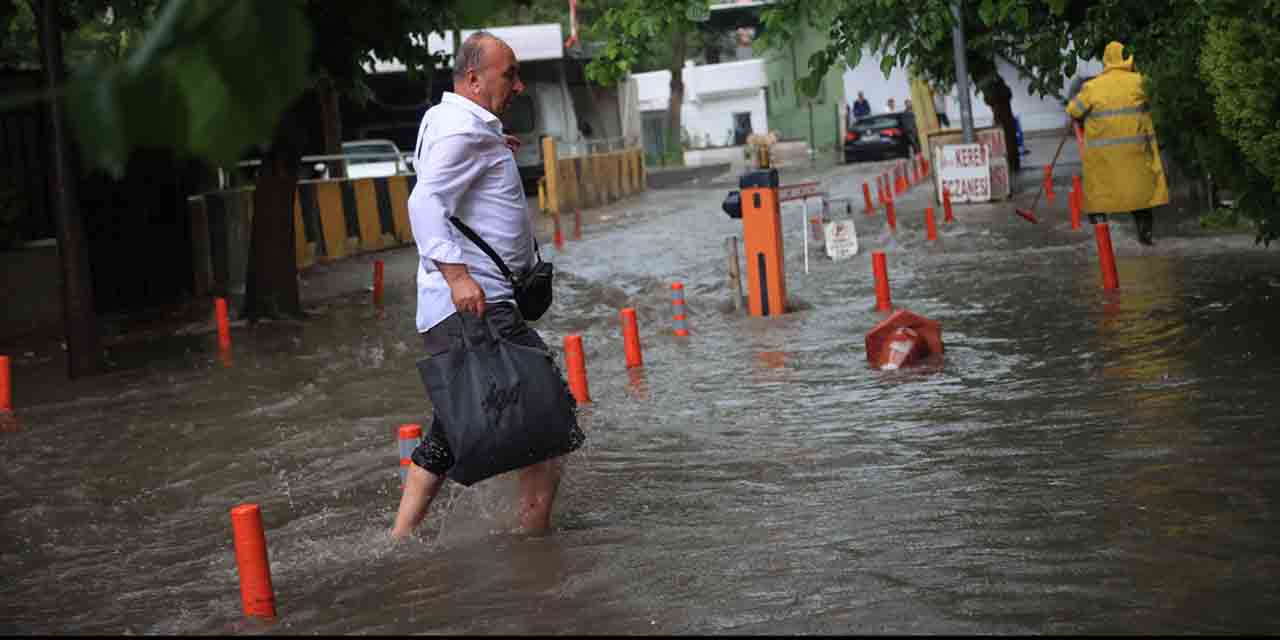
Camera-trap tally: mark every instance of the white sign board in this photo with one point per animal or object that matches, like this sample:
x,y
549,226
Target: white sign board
x,y
965,171
842,239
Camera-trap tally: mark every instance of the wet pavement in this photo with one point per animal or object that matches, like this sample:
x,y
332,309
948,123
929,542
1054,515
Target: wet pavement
x,y
1080,462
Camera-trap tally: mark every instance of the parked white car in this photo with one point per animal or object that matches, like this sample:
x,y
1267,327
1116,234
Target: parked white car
x,y
373,159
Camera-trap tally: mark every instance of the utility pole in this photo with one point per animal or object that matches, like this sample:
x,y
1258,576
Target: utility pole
x,y
962,70
84,355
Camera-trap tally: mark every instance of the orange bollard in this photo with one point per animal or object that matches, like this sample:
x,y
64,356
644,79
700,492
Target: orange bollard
x,y
929,224
556,236
577,224
1048,184
256,594
1077,202
6,391
224,324
631,338
891,216
1106,257
576,363
377,283
679,321
901,186
762,242
879,267
409,436
866,196
903,339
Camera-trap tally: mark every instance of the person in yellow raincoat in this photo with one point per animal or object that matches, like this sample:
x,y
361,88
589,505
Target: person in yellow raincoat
x,y
1122,168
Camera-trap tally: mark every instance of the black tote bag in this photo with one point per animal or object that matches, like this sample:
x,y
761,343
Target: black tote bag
x,y
503,405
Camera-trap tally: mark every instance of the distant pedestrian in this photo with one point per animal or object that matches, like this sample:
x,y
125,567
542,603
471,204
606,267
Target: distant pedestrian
x,y
1122,168
891,106
467,169
861,107
940,108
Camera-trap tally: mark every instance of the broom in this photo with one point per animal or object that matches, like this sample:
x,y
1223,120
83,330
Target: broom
x,y
1029,214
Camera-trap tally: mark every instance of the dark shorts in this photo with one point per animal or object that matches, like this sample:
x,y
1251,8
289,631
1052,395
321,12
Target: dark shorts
x,y
433,453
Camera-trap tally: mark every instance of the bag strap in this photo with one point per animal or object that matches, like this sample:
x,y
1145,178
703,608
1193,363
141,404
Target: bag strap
x,y
484,246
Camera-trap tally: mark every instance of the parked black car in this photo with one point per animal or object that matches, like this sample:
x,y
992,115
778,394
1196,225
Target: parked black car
x,y
880,136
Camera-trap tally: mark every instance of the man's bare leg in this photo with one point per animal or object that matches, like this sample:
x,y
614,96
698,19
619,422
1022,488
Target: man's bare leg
x,y
420,488
538,486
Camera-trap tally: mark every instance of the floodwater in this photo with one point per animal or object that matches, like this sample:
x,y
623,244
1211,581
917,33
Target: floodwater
x,y
1080,462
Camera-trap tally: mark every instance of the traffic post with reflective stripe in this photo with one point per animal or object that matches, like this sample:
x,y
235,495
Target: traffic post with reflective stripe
x,y
410,435
679,319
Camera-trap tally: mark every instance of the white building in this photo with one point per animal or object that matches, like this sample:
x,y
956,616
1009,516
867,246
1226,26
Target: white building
x,y
721,101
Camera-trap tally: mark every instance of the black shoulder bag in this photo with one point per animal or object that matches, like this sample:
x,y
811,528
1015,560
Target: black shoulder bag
x,y
532,289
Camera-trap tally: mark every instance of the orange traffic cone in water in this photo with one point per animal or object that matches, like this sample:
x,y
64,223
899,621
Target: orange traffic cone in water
x,y
903,339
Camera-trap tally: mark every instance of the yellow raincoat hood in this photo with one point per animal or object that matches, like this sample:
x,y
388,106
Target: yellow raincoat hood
x,y
1113,58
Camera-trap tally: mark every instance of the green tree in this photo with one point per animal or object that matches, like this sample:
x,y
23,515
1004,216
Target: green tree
x,y
637,30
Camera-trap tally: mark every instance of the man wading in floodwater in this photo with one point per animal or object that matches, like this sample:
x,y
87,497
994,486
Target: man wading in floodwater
x,y
466,167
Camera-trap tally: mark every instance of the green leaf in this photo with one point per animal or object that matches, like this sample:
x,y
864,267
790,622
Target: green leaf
x,y
886,64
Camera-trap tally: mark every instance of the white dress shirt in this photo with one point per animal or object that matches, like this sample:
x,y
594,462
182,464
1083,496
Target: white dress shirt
x,y
465,169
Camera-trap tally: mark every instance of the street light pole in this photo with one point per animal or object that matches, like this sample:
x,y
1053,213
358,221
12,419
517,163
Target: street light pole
x,y
962,71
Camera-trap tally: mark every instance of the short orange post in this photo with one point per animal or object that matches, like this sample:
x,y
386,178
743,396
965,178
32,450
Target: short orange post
x,y
1106,257
946,206
409,436
880,268
377,283
891,216
631,338
576,363
1048,184
256,594
224,323
1077,202
6,391
866,196
557,236
577,224
929,224
679,321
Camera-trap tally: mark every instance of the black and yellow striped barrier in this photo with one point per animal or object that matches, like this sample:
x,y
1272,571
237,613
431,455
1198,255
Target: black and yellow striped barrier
x,y
333,219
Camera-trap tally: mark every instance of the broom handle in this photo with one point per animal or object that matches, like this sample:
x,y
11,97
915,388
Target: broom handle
x,y
1053,164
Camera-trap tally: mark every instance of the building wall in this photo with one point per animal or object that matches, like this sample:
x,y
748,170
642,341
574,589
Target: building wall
x,y
794,116
712,94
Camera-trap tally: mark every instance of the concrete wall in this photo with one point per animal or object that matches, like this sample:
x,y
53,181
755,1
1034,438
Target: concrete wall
x,y
713,93
793,115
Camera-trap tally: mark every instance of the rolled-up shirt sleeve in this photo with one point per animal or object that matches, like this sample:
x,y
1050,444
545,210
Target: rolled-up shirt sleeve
x,y
446,169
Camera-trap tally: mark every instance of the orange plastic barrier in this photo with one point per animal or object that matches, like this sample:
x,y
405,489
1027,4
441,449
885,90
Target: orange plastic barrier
x,y
903,339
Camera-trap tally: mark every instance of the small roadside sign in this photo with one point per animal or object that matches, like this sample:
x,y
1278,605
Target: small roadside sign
x,y
841,239
965,171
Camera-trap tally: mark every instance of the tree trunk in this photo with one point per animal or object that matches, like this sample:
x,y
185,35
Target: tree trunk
x,y
331,125
84,354
997,95
679,46
271,287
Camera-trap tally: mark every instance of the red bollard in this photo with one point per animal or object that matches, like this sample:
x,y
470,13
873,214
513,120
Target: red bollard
x,y
257,596
1106,257
929,224
377,283
866,196
880,268
679,321
577,224
891,216
946,206
903,339
576,363
1077,202
224,323
1048,184
631,338
557,237
409,436
6,391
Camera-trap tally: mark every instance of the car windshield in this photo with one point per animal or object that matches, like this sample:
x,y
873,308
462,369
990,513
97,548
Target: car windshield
x,y
518,117
386,151
876,122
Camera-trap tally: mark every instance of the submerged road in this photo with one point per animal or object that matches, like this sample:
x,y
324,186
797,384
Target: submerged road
x,y
1081,462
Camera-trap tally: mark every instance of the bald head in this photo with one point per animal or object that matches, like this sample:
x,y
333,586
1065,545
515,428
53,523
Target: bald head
x,y
486,72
